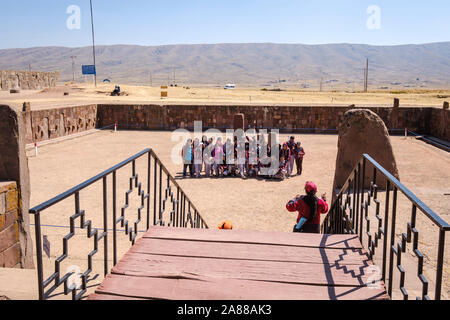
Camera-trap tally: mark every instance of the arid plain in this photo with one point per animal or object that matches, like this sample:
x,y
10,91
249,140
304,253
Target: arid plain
x,y
87,94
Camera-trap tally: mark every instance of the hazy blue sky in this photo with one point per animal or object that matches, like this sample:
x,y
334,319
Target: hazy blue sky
x,y
29,23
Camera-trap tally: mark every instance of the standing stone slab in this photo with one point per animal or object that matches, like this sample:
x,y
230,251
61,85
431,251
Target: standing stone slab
x,y
362,131
239,121
14,167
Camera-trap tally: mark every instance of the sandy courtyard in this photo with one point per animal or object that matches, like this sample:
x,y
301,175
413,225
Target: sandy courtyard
x,y
251,204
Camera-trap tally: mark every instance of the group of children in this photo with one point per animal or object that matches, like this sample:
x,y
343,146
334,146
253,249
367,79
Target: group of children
x,y
214,159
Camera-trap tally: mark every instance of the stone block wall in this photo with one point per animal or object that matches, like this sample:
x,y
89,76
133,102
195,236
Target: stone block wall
x,y
133,116
287,118
15,192
49,124
27,80
54,123
171,117
440,124
10,253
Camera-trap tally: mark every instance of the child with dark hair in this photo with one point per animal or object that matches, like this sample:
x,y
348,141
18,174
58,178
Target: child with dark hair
x,y
299,155
225,168
291,145
208,159
252,171
205,141
285,152
282,171
309,209
212,146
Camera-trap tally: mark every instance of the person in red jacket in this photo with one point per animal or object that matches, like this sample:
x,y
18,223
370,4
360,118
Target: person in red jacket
x,y
309,208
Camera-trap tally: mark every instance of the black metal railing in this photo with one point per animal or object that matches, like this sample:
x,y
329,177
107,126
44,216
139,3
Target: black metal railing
x,y
169,207
349,214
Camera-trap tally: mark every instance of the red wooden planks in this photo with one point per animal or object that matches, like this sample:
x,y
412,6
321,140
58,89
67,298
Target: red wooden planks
x,y
244,251
188,264
108,297
228,289
145,265
257,237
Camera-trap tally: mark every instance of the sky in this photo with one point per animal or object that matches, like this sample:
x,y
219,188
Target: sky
x,y
31,23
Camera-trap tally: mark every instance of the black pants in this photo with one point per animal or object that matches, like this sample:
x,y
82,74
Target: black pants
x,y
191,169
299,163
308,228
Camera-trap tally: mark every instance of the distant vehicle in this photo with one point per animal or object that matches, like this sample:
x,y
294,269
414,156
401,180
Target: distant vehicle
x,y
116,91
230,86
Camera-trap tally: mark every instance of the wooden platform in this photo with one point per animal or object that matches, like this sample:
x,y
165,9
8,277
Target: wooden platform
x,y
186,264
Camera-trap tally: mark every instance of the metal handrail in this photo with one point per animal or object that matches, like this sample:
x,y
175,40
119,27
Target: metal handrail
x,y
172,179
441,223
178,218
85,184
351,216
430,141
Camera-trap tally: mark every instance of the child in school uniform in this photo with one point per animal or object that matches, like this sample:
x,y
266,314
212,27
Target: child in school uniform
x,y
208,159
218,156
212,144
291,145
188,157
282,171
198,157
299,155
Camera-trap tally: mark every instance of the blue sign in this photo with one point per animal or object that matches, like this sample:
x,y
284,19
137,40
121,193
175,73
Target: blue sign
x,y
88,69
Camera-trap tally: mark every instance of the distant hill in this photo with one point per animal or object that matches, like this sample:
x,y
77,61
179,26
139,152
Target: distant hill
x,y
302,66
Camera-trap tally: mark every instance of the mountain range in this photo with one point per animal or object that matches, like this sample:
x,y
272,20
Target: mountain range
x,y
264,64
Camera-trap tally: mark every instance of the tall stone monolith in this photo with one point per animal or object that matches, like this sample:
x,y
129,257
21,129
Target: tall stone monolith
x,y
363,132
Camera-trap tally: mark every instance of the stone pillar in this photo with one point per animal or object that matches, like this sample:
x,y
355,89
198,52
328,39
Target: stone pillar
x,y
28,122
363,131
393,115
239,121
444,132
396,103
14,171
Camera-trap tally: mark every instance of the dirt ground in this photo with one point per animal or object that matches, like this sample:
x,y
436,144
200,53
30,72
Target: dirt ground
x,y
88,94
249,204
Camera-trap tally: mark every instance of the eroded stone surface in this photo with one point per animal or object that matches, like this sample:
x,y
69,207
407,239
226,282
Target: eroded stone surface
x,y
14,169
362,131
27,80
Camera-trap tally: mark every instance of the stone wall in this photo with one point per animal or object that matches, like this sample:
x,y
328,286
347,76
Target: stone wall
x,y
43,125
10,253
14,205
27,80
49,124
287,118
440,124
